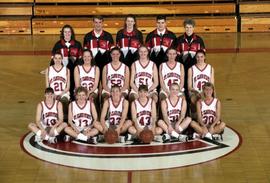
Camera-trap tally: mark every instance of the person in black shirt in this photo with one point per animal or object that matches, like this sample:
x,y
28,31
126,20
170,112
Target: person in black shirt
x,y
159,40
99,42
129,39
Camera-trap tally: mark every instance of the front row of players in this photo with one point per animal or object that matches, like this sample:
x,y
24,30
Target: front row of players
x,y
83,121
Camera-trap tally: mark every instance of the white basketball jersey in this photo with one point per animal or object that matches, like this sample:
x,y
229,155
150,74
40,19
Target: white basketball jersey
x,y
82,116
49,115
58,79
87,78
200,77
209,111
115,76
174,111
115,112
144,112
144,75
169,75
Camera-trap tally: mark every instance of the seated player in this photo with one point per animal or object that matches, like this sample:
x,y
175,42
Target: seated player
x,y
117,108
170,72
173,110
143,112
208,114
115,73
82,118
49,118
144,72
57,77
87,75
200,73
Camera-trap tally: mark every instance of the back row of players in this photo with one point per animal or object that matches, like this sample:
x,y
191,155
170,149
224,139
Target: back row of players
x,y
116,81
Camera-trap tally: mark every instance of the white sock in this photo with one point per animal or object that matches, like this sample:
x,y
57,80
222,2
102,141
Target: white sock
x,y
38,133
180,129
55,132
208,135
82,137
174,134
47,137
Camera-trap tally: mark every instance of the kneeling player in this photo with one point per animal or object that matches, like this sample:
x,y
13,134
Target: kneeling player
x,y
173,111
208,114
143,112
117,107
49,118
82,118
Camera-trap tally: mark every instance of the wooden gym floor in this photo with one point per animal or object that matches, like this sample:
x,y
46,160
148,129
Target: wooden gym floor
x,y
241,63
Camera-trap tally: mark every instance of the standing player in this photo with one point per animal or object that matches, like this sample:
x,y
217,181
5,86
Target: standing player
x,y
187,46
143,112
87,75
49,118
115,73
99,42
208,114
82,118
159,40
129,40
174,110
200,73
144,72
117,108
57,77
170,72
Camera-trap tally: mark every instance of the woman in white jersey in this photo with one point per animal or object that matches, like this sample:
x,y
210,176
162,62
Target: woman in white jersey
x,y
208,114
117,108
87,75
143,112
174,110
144,72
49,118
200,73
82,118
170,72
115,73
57,77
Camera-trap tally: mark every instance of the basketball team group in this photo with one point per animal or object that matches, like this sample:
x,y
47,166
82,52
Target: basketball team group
x,y
160,89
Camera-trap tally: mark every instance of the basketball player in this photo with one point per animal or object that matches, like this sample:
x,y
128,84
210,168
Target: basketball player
x,y
129,40
200,73
57,77
208,114
115,73
174,110
170,72
159,40
99,42
117,108
87,75
144,72
49,118
143,112
82,118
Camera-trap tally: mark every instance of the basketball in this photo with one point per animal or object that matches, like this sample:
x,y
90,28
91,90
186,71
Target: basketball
x,y
146,136
111,136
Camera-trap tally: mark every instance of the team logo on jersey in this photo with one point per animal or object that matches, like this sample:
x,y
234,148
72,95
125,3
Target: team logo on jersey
x,y
125,156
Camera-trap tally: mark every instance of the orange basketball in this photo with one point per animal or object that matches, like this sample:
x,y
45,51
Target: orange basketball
x,y
146,136
111,136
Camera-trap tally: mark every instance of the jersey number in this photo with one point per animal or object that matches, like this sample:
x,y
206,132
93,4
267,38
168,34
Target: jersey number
x,y
208,119
89,86
171,81
143,81
116,82
114,121
144,121
83,123
50,122
58,86
200,85
174,118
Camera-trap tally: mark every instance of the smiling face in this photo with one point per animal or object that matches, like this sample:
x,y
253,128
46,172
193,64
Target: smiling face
x,y
81,96
57,58
189,29
143,52
49,96
67,34
116,93
115,54
161,25
174,90
87,57
130,22
200,57
98,24
208,91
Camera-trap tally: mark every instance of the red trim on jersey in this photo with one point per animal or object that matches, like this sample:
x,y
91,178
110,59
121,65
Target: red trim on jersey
x,y
48,106
169,66
144,66
145,103
82,106
86,70
117,68
57,70
209,102
115,106
201,69
175,103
